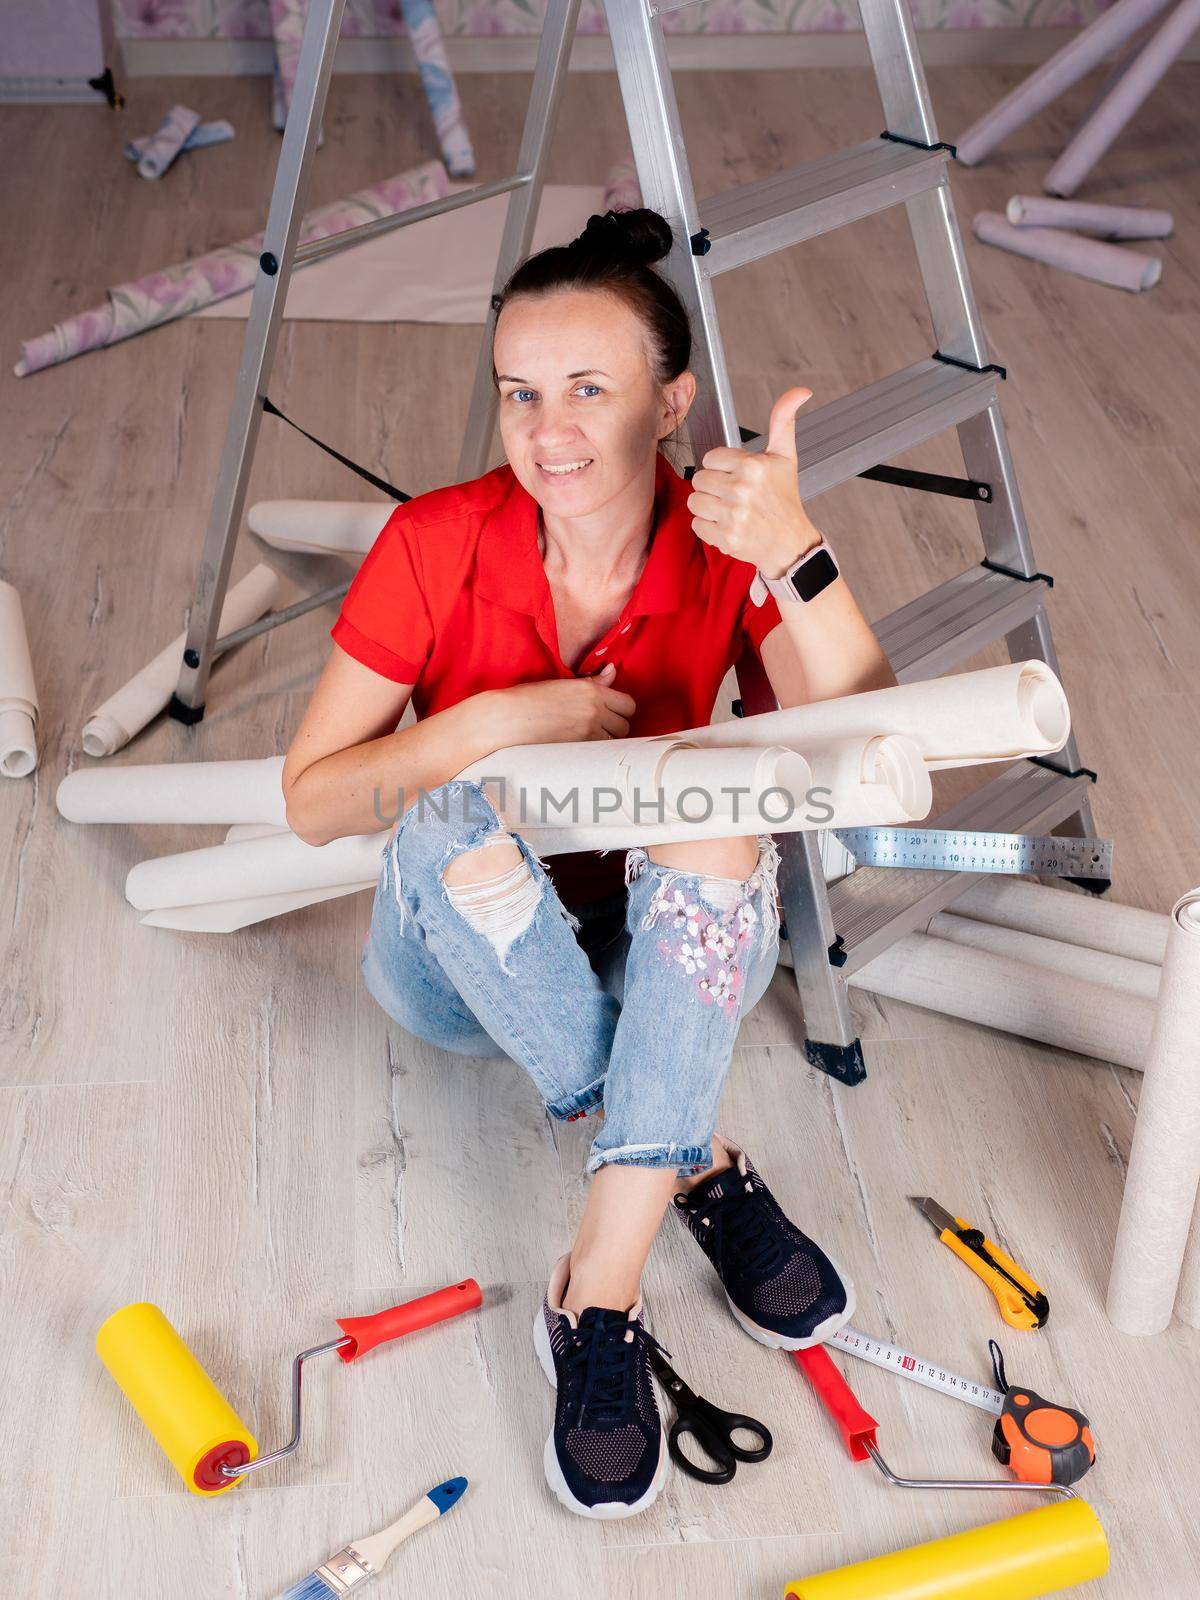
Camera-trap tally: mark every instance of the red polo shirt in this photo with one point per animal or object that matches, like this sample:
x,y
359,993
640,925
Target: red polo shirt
x,y
453,598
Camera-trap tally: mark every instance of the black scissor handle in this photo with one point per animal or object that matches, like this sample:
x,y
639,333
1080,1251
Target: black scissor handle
x,y
715,1431
727,1424
714,1445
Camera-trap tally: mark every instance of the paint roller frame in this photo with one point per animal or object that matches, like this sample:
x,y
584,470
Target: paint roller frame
x,y
858,1429
138,1344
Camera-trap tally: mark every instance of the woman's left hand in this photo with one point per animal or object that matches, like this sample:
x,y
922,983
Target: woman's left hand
x,y
747,503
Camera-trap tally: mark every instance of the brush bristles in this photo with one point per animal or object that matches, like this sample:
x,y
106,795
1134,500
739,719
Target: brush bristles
x,y
313,1587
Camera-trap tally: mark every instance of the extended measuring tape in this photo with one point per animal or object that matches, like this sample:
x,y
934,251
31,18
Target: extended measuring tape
x,y
908,1365
975,850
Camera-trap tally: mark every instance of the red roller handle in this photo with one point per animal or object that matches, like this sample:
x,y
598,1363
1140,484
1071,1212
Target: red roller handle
x,y
856,1426
367,1332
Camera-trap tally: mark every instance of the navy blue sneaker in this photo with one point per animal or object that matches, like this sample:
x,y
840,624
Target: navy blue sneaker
x,y
606,1455
783,1289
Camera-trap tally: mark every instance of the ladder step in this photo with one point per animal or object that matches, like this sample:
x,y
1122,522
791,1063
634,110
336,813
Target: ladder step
x,y
757,219
875,906
863,429
949,624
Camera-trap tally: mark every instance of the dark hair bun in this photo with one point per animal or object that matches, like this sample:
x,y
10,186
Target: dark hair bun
x,y
639,237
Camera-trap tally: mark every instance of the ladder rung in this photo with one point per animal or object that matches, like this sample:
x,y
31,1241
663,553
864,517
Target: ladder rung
x,y
956,620
875,906
757,219
860,430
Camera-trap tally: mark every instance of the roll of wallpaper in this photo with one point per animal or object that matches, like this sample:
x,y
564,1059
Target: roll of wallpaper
x,y
1087,258
869,778
1097,132
577,794
1063,914
1107,222
147,693
1164,1161
18,692
622,192
177,290
997,714
178,791
227,916
1012,996
602,794
1117,973
201,137
1054,77
320,527
274,865
160,148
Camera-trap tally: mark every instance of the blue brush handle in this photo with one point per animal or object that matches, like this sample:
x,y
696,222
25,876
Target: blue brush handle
x,y
447,1494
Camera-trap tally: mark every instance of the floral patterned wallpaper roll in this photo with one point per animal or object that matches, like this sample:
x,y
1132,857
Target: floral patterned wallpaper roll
x,y
250,19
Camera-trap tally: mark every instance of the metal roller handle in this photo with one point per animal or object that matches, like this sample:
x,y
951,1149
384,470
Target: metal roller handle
x,y
1008,1485
297,1384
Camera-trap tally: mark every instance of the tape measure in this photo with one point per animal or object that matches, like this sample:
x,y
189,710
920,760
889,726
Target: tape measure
x,y
908,1365
974,850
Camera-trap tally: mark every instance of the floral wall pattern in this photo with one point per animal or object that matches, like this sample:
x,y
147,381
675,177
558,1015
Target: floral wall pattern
x,y
250,19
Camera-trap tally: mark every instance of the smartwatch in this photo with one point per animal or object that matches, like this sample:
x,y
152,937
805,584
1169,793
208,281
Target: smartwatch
x,y
804,580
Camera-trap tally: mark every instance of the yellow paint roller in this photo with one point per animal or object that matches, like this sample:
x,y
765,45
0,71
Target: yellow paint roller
x,y
194,1425
1036,1553
196,1428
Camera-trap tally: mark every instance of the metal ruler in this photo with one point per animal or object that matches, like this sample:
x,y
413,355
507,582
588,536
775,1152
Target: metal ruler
x,y
908,1365
976,850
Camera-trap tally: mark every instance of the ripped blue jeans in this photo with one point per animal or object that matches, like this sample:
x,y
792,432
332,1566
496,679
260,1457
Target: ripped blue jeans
x,y
643,1026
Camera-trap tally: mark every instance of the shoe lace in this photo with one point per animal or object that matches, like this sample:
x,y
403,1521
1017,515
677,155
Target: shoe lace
x,y
602,1361
739,1222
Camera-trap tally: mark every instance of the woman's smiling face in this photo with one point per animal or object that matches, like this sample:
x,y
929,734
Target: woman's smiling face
x,y
577,386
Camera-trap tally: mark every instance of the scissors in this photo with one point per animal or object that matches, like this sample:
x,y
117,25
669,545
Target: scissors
x,y
712,1428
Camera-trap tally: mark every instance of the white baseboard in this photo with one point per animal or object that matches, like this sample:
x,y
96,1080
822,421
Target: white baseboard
x,y
166,58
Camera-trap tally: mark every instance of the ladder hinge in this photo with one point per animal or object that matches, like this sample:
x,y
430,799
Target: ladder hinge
x,y
969,366
1079,772
700,242
919,144
1025,577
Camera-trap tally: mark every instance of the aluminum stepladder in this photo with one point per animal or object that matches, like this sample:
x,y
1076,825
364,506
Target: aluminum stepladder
x,y
832,930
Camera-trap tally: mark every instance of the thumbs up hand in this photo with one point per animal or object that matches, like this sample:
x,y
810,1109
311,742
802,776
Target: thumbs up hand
x,y
747,503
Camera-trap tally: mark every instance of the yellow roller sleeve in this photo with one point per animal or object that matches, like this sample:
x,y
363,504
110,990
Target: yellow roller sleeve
x,y
1034,1554
195,1426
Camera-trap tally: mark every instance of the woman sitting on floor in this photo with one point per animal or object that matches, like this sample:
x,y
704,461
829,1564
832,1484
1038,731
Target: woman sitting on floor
x,y
583,590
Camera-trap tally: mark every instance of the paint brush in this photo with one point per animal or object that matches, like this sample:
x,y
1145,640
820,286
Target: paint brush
x,y
363,1558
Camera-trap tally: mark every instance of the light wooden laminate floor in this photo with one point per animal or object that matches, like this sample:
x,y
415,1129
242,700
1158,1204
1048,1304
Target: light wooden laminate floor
x,y
230,1126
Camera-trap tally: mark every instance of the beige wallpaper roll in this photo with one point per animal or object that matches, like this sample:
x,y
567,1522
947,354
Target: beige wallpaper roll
x,y
997,714
1068,915
863,780
1113,264
320,527
177,791
18,693
1117,973
149,691
1012,996
1164,1161
250,868
227,916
